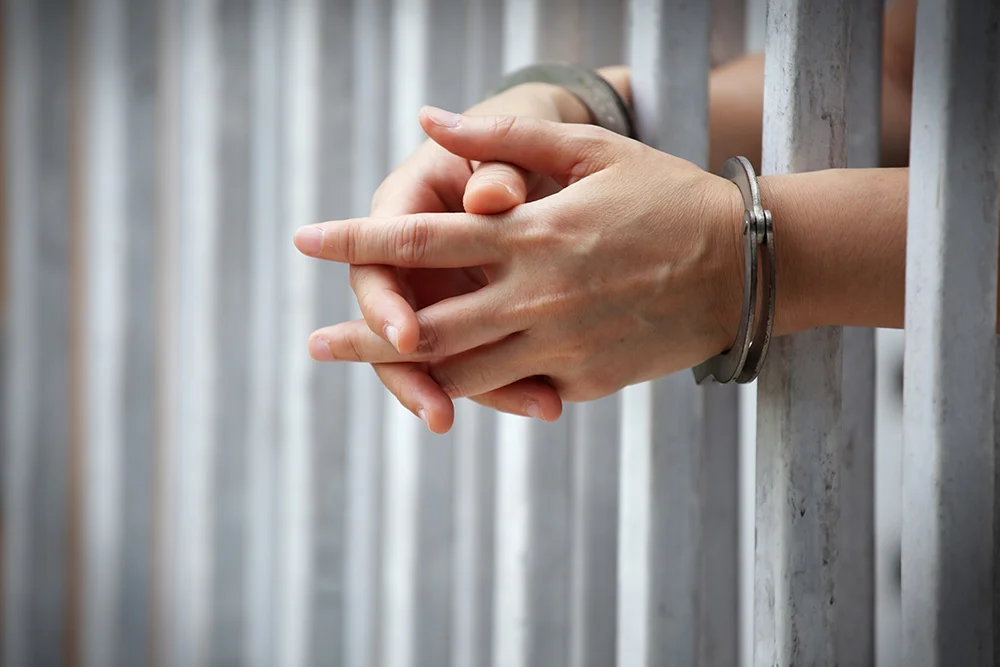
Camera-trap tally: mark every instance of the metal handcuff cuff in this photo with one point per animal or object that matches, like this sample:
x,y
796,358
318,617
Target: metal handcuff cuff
x,y
742,362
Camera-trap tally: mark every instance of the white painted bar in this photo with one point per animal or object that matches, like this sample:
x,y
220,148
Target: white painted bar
x,y
800,435
475,427
266,311
301,161
370,149
678,558
534,459
948,455
856,566
192,228
37,377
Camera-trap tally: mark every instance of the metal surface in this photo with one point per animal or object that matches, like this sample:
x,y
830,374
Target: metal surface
x,y
801,538
119,324
856,567
40,220
742,362
678,548
949,455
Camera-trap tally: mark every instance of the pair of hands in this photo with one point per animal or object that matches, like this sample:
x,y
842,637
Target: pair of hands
x,y
521,262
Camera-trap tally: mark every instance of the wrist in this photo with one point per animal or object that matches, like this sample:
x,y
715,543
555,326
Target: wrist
x,y
728,266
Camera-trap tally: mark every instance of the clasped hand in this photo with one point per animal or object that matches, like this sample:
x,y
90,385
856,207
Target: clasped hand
x,y
609,263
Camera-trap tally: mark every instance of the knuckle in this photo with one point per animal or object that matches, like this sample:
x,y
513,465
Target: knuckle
x,y
447,381
349,242
413,239
430,339
503,126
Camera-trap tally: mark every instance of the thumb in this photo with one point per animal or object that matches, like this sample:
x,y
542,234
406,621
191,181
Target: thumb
x,y
545,147
496,187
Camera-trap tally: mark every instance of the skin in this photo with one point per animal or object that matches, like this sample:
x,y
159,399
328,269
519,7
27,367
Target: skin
x,y
517,258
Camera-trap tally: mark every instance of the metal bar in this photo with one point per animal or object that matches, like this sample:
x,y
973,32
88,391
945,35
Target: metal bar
x,y
295,485
191,408
595,428
800,439
370,150
475,436
334,302
119,378
679,472
36,437
951,297
228,622
534,459
418,509
855,573
266,310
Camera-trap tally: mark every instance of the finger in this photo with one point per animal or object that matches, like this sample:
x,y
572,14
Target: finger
x,y
495,187
418,393
385,309
428,240
546,147
487,368
530,397
449,327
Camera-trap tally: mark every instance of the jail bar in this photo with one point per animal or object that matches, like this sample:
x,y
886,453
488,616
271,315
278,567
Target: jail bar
x,y
370,151
800,440
949,456
678,596
118,370
855,568
39,378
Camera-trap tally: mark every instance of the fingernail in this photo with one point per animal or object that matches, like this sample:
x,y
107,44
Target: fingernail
x,y
309,239
319,349
531,409
442,117
423,416
501,184
392,335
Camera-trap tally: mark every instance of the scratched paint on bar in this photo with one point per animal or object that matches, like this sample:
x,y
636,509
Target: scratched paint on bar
x,y
800,434
948,569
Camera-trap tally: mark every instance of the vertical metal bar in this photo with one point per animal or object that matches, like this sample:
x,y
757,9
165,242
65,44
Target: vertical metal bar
x,y
295,484
534,459
418,510
679,471
370,149
104,329
595,427
948,456
334,302
475,436
855,573
39,214
119,378
189,447
266,310
231,321
800,438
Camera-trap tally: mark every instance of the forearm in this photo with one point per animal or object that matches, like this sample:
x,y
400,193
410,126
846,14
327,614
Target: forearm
x,y
840,241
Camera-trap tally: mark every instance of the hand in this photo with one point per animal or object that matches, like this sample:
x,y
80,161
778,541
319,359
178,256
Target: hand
x,y
434,180
631,272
